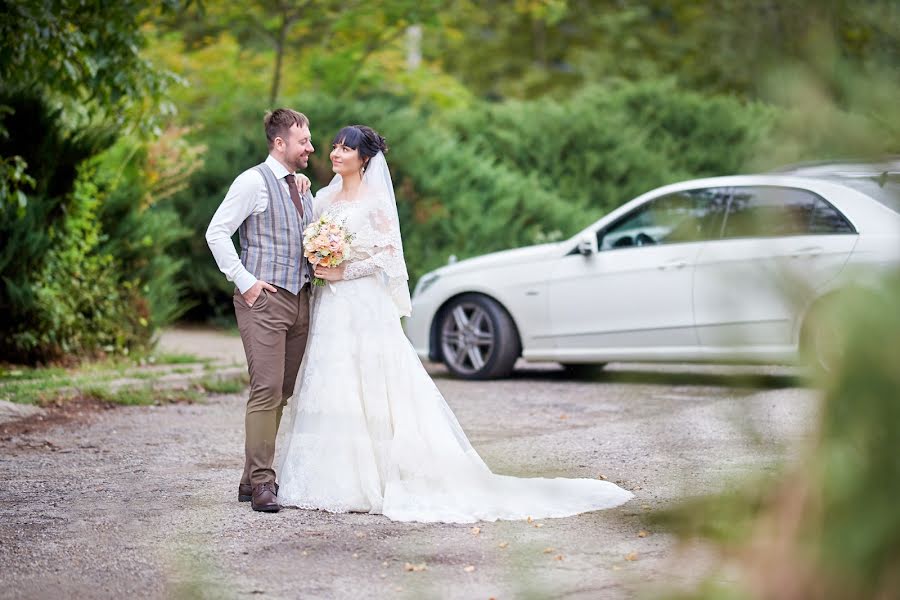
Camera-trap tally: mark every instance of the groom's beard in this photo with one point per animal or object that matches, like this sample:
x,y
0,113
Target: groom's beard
x,y
300,164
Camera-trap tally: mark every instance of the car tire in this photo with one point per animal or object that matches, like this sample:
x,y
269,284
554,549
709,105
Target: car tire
x,y
584,371
477,338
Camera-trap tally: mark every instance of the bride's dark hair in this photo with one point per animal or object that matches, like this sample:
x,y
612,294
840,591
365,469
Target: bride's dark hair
x,y
363,139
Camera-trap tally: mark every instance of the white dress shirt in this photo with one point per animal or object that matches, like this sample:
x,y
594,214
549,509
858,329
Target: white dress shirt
x,y
246,196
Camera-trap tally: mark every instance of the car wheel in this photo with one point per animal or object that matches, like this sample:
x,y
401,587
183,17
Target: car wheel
x,y
477,338
583,371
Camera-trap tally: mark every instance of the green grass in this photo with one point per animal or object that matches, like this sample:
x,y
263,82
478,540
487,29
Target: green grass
x,y
44,391
141,396
224,385
41,387
144,375
177,359
25,385
28,373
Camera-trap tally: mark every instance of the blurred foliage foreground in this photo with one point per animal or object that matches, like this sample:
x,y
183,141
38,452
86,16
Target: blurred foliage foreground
x,y
828,527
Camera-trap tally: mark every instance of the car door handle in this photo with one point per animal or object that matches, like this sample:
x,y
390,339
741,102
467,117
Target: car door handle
x,y
673,264
809,252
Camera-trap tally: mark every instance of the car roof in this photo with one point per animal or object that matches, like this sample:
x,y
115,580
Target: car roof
x,y
858,168
864,215
821,185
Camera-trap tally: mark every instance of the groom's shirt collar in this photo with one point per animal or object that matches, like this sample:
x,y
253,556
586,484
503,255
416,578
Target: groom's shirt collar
x,y
277,168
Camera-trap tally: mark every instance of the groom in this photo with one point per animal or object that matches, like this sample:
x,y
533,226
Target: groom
x,y
270,208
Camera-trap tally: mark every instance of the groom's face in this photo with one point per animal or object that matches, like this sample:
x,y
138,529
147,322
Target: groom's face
x,y
297,147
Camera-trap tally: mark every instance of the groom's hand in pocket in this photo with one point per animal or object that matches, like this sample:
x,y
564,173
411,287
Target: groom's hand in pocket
x,y
255,290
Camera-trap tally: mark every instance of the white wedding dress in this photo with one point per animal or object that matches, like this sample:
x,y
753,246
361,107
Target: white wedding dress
x,y
369,431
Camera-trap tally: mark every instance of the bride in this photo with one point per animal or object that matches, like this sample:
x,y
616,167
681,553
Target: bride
x,y
369,430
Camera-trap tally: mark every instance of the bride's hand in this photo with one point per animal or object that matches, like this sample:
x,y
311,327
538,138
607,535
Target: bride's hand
x,y
330,273
303,183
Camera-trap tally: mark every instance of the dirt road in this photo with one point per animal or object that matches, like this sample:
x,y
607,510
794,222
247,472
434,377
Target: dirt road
x,y
140,502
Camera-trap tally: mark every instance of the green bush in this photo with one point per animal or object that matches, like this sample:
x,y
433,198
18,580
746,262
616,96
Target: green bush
x,y
608,144
826,525
85,264
855,471
140,229
80,304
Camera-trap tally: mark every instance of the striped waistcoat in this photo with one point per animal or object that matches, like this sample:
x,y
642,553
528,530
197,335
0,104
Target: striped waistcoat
x,y
272,241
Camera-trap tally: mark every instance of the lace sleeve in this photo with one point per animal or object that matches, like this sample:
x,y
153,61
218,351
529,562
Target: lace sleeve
x,y
359,268
378,248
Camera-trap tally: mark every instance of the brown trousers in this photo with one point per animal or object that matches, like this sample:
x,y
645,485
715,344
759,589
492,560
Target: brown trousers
x,y
274,333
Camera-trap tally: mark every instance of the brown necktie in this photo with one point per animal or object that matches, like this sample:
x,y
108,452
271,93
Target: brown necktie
x,y
295,195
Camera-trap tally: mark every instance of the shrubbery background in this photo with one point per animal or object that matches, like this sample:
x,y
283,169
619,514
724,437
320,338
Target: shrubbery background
x,y
122,127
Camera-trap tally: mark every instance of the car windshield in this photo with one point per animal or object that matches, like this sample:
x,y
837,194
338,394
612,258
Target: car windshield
x,y
884,189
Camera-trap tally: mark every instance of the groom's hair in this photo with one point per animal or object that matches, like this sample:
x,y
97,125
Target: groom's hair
x,y
279,121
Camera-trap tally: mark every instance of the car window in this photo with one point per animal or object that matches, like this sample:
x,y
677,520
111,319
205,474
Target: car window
x,y
688,216
826,220
770,211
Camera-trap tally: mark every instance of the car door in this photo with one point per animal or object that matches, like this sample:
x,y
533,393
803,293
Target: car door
x,y
632,297
778,246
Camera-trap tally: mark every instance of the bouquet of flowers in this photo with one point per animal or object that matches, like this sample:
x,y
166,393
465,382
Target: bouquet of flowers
x,y
326,243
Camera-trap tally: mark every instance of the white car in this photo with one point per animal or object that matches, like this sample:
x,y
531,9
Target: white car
x,y
726,268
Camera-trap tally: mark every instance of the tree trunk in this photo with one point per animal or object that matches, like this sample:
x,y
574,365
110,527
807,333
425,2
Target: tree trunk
x,y
279,58
539,42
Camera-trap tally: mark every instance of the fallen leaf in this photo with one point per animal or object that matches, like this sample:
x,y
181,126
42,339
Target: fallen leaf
x,y
558,557
469,569
563,417
417,567
503,544
643,533
549,550
631,556
476,530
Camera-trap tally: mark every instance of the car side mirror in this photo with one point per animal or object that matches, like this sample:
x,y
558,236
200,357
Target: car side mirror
x,y
585,247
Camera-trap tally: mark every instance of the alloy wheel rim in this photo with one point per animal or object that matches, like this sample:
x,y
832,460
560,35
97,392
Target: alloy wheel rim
x,y
467,338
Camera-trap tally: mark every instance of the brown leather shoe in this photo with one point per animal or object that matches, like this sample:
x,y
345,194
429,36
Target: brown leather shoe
x,y
245,492
264,498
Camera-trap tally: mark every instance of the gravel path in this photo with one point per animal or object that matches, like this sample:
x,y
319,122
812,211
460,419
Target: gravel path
x,y
141,501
